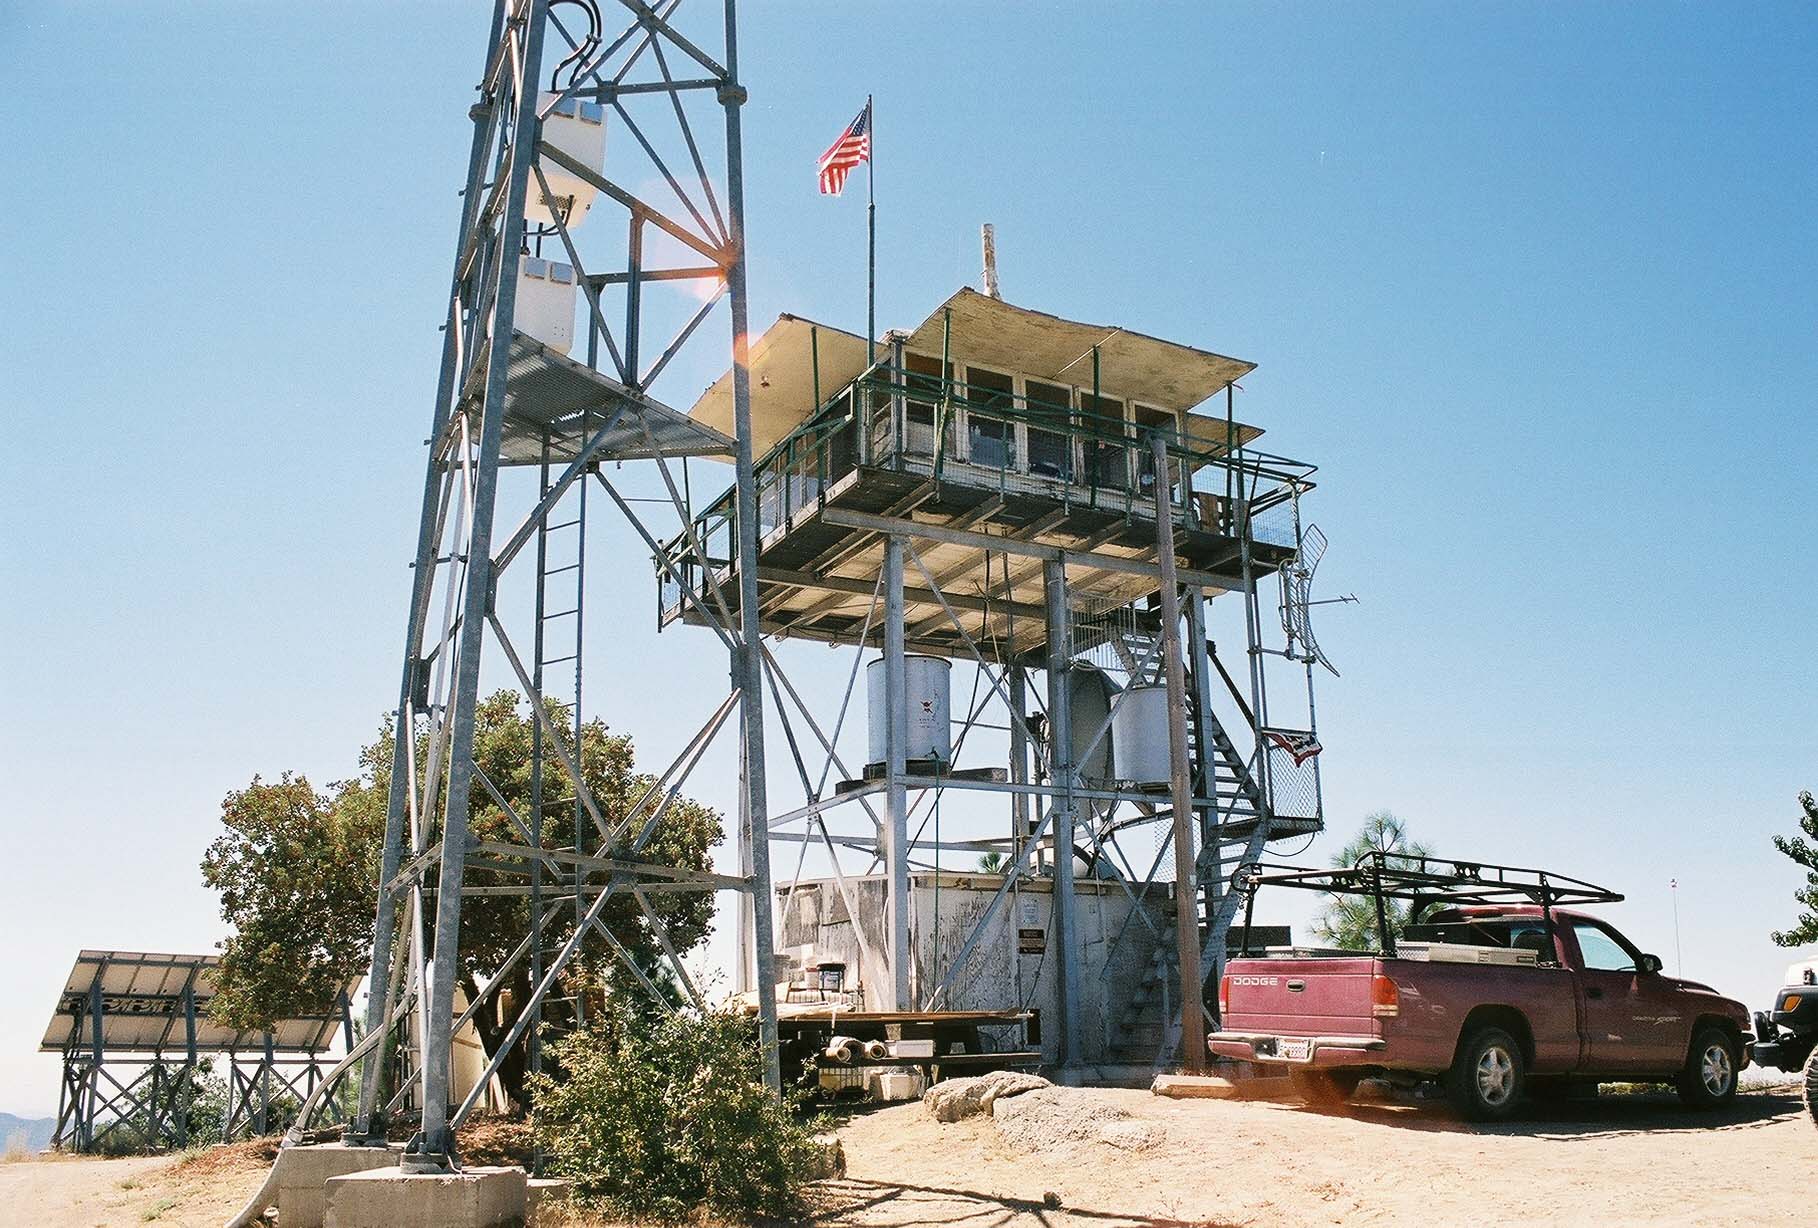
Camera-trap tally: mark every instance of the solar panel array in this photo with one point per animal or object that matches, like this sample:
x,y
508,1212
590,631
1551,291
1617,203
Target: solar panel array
x,y
143,1009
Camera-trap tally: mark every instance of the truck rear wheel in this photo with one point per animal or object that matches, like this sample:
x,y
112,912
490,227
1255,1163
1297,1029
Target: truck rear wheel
x,y
1324,1088
1485,1082
1811,1085
1709,1078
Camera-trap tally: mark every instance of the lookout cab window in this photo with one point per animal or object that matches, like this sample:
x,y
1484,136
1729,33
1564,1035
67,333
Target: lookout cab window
x,y
1102,425
1048,408
924,393
990,427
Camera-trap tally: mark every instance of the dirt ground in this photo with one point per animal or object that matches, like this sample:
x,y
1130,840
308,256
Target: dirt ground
x,y
1616,1161
78,1192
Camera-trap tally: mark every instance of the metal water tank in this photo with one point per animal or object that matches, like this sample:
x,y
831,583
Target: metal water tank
x,y
926,687
1092,693
1139,732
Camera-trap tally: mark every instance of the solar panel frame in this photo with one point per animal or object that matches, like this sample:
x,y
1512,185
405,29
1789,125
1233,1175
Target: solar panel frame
x,y
143,1009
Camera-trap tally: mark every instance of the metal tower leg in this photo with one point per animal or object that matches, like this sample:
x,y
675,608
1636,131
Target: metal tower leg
x,y
1069,981
1186,919
896,850
364,1128
750,670
436,1141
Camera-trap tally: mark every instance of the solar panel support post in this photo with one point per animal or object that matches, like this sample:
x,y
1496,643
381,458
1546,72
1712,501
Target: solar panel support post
x,y
95,1008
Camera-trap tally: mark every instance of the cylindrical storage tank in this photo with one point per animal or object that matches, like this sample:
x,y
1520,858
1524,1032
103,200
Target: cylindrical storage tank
x,y
1090,694
1139,736
926,686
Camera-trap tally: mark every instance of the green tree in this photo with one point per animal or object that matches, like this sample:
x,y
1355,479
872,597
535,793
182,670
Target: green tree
x,y
1804,851
297,872
1349,921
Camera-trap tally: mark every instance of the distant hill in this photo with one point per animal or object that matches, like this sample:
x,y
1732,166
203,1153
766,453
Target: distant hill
x,y
35,1131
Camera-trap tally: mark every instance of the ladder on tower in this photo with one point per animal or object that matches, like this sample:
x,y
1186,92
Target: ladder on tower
x,y
557,819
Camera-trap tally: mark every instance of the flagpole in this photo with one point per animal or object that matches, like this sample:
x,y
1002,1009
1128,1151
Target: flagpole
x,y
871,236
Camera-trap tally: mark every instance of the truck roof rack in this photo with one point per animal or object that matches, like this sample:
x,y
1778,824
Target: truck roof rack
x,y
1425,881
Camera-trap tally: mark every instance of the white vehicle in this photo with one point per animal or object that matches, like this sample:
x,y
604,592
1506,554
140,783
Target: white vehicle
x,y
1787,1035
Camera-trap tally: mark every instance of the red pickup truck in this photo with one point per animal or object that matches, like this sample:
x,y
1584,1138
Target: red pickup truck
x,y
1490,987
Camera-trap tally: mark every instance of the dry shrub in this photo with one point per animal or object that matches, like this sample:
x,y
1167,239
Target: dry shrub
x,y
667,1117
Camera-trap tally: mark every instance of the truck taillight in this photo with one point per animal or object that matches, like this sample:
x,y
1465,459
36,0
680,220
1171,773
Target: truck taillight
x,y
1385,996
1224,995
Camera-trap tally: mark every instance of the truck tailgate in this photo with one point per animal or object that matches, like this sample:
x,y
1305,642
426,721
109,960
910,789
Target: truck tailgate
x,y
1301,997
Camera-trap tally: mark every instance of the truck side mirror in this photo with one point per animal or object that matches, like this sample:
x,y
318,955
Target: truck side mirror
x,y
1651,964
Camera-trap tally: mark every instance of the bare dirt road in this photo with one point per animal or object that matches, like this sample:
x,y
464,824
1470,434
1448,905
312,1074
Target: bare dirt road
x,y
1617,1161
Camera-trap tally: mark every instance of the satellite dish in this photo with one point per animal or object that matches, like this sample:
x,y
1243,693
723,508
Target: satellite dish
x,y
1297,599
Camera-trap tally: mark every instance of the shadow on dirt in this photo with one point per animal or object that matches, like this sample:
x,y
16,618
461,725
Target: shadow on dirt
x,y
883,1204
1607,1116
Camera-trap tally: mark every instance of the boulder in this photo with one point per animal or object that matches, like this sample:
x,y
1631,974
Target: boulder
x,y
956,1098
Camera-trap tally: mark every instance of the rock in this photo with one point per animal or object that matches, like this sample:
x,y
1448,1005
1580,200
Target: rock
x,y
957,1098
1193,1087
1128,1135
1051,1200
1057,1117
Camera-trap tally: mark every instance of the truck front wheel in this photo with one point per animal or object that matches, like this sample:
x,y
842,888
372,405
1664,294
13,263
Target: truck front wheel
x,y
1709,1078
1485,1082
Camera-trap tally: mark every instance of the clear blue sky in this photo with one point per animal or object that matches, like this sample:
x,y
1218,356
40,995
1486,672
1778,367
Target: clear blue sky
x,y
1533,285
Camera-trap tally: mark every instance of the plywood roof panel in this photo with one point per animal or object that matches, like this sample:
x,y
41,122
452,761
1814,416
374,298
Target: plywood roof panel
x,y
783,379
1132,365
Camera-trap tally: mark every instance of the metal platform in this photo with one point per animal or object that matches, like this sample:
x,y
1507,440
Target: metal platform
x,y
551,396
984,551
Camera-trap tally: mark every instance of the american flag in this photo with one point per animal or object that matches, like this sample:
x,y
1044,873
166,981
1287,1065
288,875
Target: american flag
x,y
853,147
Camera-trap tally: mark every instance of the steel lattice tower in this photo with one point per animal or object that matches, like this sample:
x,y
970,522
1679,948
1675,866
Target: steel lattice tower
x,y
505,398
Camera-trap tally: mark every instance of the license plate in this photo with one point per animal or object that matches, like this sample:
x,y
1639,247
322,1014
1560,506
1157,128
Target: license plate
x,y
1294,1050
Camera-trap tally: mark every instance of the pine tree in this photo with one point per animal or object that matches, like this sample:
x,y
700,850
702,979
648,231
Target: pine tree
x,y
1805,852
1349,921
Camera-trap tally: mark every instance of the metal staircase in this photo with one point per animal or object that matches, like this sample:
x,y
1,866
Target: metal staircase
x,y
1237,830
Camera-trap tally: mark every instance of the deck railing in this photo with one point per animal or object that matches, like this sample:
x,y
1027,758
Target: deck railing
x,y
892,418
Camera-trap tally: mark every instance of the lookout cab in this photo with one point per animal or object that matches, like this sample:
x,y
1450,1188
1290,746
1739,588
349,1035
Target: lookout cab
x,y
990,427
